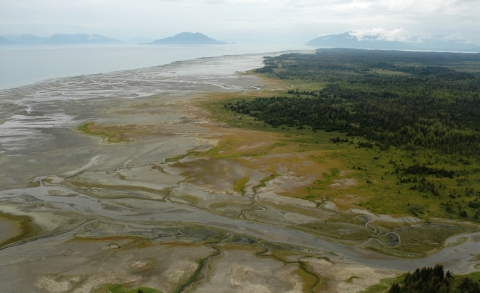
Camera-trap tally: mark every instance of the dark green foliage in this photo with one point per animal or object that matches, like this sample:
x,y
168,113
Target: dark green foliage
x,y
426,105
425,170
338,139
468,285
434,280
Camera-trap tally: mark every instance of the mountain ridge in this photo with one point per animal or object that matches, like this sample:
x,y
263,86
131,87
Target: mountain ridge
x,y
5,41
348,40
187,38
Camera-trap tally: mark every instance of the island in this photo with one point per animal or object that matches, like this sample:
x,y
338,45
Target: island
x,y
187,38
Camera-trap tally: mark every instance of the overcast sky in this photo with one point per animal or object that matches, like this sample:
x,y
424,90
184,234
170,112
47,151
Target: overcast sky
x,y
286,21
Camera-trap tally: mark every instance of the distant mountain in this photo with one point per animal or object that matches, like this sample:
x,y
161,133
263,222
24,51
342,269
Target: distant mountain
x,y
26,39
5,41
79,39
348,40
187,38
57,39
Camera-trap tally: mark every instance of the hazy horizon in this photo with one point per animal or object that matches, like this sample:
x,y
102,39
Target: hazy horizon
x,y
247,21
25,65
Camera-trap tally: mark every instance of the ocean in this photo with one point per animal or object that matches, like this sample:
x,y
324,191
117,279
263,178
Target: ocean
x,y
24,65
48,92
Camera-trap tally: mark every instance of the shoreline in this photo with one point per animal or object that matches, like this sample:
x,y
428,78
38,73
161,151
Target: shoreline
x,y
171,190
110,62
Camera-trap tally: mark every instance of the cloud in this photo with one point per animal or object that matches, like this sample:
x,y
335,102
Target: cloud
x,y
295,20
381,34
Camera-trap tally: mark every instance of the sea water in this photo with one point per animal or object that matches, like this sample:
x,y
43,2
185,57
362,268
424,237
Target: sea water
x,y
35,115
23,65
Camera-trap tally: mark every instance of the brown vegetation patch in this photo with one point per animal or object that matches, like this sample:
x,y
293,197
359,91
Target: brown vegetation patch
x,y
14,228
123,133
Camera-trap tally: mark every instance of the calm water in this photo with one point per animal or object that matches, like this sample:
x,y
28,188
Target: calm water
x,y
29,64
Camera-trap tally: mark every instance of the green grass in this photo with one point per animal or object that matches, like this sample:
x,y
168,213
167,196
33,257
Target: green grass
x,y
383,285
350,280
373,169
109,134
84,127
240,185
116,288
264,181
182,156
192,278
474,276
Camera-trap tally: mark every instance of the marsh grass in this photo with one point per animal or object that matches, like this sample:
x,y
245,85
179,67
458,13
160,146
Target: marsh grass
x,y
350,280
110,134
181,287
240,185
26,228
117,288
378,184
383,285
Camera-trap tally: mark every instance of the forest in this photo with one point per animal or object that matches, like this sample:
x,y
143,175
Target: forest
x,y
435,280
409,99
416,115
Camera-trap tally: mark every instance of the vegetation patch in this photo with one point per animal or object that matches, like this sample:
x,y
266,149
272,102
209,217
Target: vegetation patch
x,y
240,184
434,280
116,288
110,134
25,226
350,280
458,241
181,287
382,286
403,125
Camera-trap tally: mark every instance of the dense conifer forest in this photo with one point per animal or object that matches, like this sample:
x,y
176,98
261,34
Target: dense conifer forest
x,y
408,99
435,280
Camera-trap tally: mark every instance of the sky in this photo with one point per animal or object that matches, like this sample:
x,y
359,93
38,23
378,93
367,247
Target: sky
x,y
244,21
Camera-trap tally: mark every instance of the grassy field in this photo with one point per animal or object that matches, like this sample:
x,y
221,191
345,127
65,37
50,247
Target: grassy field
x,y
376,183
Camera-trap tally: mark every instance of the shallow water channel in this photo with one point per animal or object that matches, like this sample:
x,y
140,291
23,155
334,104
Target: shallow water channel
x,y
40,147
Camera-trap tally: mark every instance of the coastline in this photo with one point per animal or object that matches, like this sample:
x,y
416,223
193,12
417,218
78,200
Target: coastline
x,y
24,65
113,199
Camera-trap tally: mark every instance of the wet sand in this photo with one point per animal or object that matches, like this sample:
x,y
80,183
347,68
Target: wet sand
x,y
145,213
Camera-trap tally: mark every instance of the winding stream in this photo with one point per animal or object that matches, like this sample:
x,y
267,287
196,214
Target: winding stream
x,y
453,258
25,156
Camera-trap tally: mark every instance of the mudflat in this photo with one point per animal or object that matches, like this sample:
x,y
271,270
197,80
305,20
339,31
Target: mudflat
x,y
130,182
8,229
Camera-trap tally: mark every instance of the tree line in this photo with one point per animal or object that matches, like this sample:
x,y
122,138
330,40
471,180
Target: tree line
x,y
432,104
434,280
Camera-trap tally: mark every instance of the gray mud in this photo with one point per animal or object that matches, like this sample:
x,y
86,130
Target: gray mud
x,y
120,213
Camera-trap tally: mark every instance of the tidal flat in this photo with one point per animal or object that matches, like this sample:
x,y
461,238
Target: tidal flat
x,y
131,180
